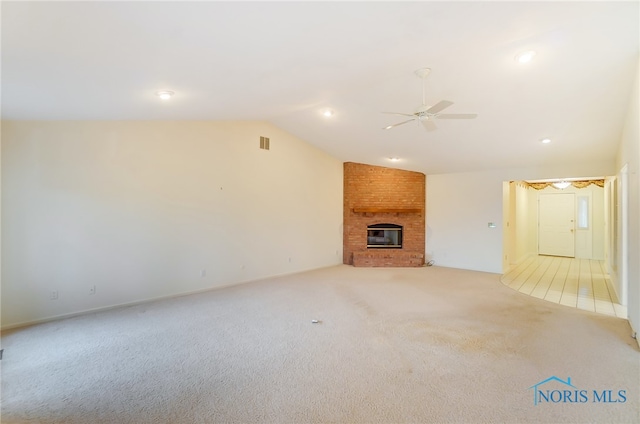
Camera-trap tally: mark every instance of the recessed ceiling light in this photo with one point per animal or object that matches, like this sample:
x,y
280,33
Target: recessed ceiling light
x,y
164,95
525,57
545,141
394,159
328,113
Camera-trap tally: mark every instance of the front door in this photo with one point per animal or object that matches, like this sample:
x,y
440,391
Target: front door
x,y
556,224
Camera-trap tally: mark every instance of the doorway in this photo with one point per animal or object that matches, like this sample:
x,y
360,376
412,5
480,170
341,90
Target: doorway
x,y
581,222
541,219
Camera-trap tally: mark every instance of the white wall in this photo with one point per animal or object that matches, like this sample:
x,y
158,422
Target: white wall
x,y
141,209
629,154
508,231
459,207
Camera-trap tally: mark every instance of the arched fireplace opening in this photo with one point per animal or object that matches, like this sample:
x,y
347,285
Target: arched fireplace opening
x,y
384,236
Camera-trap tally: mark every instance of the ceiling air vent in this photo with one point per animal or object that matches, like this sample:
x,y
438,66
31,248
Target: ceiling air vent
x,y
264,143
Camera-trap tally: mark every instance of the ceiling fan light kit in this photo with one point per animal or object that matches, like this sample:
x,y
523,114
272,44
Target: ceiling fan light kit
x,y
423,72
427,114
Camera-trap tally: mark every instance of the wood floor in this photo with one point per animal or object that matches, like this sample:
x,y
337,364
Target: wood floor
x,y
579,283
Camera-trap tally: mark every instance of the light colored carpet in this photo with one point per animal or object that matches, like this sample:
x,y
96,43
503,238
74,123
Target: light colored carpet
x,y
415,345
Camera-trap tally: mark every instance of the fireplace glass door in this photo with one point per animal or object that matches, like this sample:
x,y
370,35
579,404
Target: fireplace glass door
x,y
387,236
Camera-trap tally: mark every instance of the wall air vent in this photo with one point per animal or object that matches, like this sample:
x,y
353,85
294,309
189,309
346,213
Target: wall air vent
x,y
264,143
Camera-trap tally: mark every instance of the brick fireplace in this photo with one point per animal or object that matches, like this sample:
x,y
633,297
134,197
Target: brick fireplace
x,y
378,198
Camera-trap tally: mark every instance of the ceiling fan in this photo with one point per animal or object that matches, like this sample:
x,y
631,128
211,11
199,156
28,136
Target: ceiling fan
x,y
427,114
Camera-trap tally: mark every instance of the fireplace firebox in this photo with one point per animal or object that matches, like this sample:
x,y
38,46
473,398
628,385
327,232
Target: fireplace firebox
x,y
385,236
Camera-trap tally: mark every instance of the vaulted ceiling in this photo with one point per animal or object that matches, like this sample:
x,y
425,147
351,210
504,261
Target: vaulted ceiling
x,y
287,62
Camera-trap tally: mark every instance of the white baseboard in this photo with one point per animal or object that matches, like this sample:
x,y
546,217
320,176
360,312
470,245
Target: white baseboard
x,y
144,301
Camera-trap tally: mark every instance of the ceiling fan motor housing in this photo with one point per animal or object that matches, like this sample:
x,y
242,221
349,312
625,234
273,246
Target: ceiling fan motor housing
x,y
421,112
427,114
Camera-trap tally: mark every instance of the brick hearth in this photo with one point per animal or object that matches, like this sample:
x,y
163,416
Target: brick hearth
x,y
377,195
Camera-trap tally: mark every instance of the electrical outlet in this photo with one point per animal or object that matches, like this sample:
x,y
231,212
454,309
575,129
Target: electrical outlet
x,y
53,295
92,290
203,273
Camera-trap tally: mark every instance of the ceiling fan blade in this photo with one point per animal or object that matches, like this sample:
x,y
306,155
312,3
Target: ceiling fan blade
x,y
457,116
442,105
398,113
395,125
429,125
